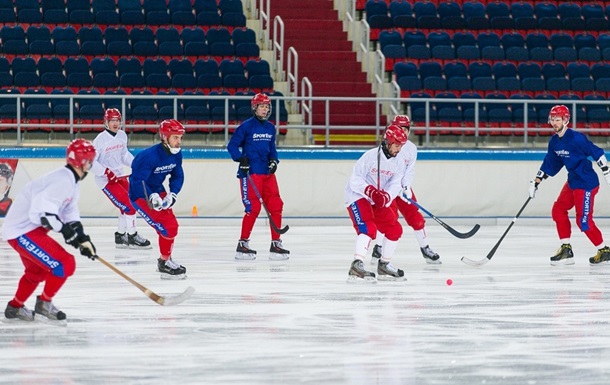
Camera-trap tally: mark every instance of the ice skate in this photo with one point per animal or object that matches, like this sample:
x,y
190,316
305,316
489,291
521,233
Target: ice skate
x,y
244,252
170,269
18,313
277,251
387,272
376,255
602,256
430,256
564,256
47,309
358,274
121,241
136,241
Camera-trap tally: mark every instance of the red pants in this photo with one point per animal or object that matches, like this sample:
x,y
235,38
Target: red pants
x,y
583,202
164,222
119,196
270,193
367,219
45,260
411,213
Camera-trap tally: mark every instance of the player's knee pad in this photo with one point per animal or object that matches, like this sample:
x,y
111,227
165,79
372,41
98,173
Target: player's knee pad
x,y
275,205
369,228
416,221
393,232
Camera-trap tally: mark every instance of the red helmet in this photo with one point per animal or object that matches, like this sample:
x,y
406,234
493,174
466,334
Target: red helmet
x,y
394,134
402,121
112,113
559,110
79,152
261,99
170,127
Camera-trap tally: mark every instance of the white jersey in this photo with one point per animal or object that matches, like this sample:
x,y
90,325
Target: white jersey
x,y
110,153
391,172
56,193
409,153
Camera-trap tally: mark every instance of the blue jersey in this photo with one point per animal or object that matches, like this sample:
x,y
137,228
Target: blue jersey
x,y
152,166
256,141
574,151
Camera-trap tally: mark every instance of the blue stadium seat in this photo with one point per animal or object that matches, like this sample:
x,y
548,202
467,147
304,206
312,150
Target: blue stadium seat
x,y
578,70
565,54
553,70
529,70
430,68
79,12
414,38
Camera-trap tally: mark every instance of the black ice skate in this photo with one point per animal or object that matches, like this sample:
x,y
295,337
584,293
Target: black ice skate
x,y
136,241
18,313
277,251
357,273
430,256
387,272
121,241
47,309
170,269
244,252
564,256
376,254
602,256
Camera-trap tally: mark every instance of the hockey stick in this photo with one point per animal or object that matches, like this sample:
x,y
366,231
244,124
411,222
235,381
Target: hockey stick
x,y
493,250
165,301
453,231
260,199
146,195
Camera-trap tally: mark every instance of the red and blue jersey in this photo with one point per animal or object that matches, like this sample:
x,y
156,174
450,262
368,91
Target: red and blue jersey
x,y
152,165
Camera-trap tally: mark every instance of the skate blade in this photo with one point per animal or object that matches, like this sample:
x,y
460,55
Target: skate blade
x,y
563,262
605,263
431,262
245,257
134,247
176,277
389,278
278,257
54,322
353,279
121,246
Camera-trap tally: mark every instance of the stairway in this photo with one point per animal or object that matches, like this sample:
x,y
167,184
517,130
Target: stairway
x,y
326,58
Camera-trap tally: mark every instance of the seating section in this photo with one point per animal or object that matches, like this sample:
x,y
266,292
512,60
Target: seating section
x,y
107,48
538,50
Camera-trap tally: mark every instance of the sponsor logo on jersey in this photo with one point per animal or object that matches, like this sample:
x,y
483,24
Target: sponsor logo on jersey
x,y
40,255
562,153
118,146
125,208
264,136
165,169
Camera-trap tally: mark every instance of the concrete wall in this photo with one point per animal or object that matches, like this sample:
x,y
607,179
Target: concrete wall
x,y
314,187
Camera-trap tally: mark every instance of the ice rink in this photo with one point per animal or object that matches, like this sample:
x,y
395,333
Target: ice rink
x,y
515,320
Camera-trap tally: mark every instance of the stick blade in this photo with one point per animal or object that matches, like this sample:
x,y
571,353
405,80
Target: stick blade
x,y
472,262
464,235
283,230
175,300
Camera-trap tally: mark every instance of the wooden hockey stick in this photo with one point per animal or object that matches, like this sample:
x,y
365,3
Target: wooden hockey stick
x,y
260,199
164,301
493,250
453,231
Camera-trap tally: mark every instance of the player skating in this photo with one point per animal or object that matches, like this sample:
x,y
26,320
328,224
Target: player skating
x,y
150,168
374,183
253,146
44,204
572,149
111,156
409,211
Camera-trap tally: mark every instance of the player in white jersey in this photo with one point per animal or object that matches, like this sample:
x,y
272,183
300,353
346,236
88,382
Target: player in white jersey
x,y
409,211
111,156
375,182
44,204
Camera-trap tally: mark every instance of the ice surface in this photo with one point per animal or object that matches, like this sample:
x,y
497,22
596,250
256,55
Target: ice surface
x,y
515,320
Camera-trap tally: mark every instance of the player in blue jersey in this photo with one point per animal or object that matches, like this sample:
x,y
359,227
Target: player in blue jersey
x,y
573,150
150,168
253,146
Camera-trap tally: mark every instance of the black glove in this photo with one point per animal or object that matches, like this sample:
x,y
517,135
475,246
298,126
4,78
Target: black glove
x,y
272,166
70,235
244,165
87,248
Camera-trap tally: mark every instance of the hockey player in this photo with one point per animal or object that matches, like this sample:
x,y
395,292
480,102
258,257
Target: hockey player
x,y
111,155
375,182
150,168
572,149
48,203
253,146
6,180
410,212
